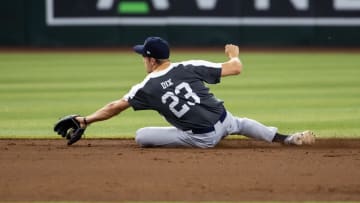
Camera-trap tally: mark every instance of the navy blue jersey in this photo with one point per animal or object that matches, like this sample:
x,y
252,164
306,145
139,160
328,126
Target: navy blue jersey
x,y
180,95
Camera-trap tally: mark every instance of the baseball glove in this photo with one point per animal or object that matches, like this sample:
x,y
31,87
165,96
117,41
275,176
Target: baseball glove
x,y
69,128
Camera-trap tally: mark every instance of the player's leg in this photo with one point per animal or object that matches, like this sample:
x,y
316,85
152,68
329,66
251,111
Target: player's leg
x,y
161,137
254,129
173,137
280,138
249,128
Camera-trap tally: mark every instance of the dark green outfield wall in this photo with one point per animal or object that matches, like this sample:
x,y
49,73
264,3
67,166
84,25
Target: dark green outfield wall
x,y
187,22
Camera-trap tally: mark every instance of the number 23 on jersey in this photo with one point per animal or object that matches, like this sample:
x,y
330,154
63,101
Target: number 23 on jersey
x,y
173,99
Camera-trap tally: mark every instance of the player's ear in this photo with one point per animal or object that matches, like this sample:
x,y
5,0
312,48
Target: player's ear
x,y
148,60
152,61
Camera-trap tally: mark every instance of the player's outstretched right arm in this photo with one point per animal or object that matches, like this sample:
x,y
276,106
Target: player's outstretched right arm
x,y
110,110
233,66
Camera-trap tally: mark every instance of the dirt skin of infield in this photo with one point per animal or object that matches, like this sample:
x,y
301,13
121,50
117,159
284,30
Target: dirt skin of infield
x,y
236,170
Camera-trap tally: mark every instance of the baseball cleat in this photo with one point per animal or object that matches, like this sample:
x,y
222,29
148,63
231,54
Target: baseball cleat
x,y
301,138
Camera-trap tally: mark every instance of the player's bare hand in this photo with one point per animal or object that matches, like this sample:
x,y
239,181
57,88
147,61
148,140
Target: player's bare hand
x,y
231,50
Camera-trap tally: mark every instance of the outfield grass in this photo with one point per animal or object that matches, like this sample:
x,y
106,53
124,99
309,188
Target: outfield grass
x,y
318,91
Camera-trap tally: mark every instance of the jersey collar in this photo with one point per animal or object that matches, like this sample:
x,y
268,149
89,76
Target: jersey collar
x,y
162,72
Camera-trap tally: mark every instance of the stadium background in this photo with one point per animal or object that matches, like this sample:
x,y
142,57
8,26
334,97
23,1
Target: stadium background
x,y
114,23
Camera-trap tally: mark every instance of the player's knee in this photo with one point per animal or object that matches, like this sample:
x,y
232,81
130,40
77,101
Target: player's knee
x,y
141,138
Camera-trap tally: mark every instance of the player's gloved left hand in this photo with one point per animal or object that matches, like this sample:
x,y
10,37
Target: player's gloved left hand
x,y
69,128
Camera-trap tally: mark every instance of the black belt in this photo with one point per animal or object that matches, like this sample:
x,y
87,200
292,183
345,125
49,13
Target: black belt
x,y
209,129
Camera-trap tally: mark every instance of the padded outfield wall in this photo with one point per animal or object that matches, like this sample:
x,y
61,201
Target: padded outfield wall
x,y
183,22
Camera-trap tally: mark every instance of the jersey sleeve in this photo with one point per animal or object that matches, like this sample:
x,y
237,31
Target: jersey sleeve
x,y
205,70
137,98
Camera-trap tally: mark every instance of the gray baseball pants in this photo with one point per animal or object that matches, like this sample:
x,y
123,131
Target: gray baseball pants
x,y
174,137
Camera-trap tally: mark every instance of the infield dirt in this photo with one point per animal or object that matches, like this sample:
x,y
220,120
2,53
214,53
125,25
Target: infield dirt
x,y
236,170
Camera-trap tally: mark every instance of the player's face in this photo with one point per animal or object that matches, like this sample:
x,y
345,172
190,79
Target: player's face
x,y
148,64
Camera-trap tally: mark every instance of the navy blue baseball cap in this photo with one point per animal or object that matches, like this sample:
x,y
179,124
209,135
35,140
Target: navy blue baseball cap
x,y
154,47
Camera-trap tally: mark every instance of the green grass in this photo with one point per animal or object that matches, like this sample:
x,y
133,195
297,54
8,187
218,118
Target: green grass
x,y
317,91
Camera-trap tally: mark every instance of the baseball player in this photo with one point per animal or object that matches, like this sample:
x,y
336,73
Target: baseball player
x,y
178,93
